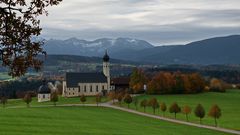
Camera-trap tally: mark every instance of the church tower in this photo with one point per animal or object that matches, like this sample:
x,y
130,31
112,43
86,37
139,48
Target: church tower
x,y
106,68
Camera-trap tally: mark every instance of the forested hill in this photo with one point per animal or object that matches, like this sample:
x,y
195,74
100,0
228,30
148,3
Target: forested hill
x,y
57,59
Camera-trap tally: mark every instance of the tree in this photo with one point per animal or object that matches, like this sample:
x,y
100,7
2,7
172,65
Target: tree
x,y
197,83
186,110
128,99
19,23
154,104
112,96
137,80
98,98
83,98
217,85
120,98
163,108
199,112
135,101
54,97
174,108
3,101
215,112
27,98
144,104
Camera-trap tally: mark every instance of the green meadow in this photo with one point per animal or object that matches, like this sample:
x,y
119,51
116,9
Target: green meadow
x,y
87,121
229,103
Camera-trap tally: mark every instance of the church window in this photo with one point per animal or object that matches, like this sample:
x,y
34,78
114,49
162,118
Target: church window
x,y
90,88
97,88
43,96
79,89
85,88
103,87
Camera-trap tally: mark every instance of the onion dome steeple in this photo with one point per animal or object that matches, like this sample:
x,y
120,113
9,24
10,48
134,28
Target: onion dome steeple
x,y
44,89
106,57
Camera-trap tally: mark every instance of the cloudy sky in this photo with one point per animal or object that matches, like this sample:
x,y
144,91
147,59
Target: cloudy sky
x,y
160,22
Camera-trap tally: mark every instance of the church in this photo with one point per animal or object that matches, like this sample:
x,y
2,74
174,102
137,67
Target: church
x,y
89,84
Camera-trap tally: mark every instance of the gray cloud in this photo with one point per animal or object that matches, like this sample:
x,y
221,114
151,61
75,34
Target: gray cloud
x,y
157,21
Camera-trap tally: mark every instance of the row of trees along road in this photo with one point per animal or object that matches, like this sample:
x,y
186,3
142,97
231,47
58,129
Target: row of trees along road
x,y
172,83
199,110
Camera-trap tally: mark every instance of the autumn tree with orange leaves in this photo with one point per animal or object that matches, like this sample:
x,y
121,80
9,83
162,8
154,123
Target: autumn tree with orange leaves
x,y
137,80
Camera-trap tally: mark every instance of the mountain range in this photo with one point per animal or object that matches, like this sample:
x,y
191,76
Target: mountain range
x,y
219,50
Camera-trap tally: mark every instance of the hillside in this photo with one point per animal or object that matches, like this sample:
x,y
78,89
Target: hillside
x,y
219,50
54,60
116,47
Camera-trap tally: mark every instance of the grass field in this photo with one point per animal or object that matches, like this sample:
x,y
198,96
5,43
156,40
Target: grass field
x,y
62,100
229,103
87,121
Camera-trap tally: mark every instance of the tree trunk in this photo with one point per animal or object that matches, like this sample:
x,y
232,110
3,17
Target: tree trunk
x,y
215,122
128,106
153,110
200,121
144,109
175,114
187,117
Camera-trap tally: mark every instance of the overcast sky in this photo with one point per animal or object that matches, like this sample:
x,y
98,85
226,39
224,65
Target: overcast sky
x,y
159,22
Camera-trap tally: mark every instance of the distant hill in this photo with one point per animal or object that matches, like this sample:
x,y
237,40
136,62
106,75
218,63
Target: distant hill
x,y
116,47
54,60
219,50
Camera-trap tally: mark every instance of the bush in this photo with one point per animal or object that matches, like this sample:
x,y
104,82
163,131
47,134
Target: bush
x,y
217,85
199,112
174,108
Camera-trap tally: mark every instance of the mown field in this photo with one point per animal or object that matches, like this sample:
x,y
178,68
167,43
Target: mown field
x,y
61,101
229,103
87,121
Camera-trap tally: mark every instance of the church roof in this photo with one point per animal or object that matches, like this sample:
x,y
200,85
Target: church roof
x,y
44,89
73,79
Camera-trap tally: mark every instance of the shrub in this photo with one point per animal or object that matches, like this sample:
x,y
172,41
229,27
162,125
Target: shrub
x,y
163,107
215,112
154,104
199,112
27,98
54,97
174,108
186,110
144,104
128,99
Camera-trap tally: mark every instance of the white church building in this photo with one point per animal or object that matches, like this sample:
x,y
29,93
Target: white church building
x,y
89,84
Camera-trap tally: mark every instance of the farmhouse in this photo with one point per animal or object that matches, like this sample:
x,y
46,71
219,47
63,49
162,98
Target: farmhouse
x,y
90,84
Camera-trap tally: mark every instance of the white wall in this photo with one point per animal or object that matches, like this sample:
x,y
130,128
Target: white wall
x,y
85,88
44,97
